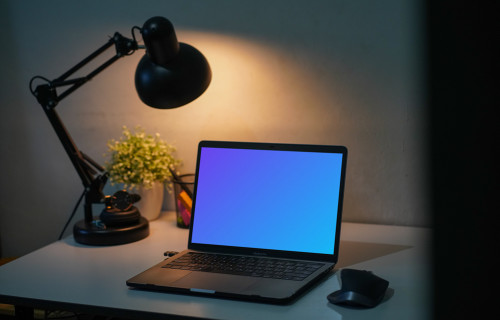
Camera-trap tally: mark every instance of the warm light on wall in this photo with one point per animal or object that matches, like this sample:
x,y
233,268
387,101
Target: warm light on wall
x,y
258,93
258,82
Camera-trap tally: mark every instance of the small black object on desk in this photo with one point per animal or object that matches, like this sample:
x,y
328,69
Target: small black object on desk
x,y
170,253
359,288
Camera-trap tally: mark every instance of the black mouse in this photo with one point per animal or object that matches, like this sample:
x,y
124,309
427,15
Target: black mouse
x,y
359,288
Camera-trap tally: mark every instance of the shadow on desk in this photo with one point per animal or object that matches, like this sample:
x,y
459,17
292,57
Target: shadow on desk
x,y
352,252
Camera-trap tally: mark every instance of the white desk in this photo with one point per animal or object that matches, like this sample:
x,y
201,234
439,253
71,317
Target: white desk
x,y
69,276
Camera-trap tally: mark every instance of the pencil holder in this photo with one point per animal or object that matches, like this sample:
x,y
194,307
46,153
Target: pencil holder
x,y
183,193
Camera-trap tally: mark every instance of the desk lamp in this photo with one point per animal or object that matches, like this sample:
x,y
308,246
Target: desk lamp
x,y
169,75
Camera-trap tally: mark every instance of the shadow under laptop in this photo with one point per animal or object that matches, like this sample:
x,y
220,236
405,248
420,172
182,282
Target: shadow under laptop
x,y
353,252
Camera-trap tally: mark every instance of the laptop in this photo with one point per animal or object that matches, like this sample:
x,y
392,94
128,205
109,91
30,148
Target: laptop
x,y
265,223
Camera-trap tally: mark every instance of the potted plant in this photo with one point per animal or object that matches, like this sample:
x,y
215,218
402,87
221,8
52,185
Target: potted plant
x,y
142,163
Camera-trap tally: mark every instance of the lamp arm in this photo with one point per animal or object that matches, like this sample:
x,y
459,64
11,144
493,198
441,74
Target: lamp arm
x,y
124,46
92,175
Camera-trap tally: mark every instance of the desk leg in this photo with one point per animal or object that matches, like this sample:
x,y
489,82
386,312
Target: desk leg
x,y
24,313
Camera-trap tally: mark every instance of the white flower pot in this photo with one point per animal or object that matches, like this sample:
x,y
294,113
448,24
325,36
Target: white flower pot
x,y
151,201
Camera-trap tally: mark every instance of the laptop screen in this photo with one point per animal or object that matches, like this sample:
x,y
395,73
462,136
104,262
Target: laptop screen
x,y
272,197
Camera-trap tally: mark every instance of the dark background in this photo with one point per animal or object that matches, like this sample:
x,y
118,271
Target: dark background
x,y
464,156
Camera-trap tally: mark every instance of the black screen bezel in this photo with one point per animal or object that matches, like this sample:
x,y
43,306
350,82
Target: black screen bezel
x,y
266,252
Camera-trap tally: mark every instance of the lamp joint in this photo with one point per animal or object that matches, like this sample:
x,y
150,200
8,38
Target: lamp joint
x,y
46,95
124,46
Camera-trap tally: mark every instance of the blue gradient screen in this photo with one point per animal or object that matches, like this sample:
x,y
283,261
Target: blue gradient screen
x,y
267,199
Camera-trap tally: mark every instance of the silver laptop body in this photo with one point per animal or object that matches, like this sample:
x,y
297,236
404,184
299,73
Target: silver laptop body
x,y
266,216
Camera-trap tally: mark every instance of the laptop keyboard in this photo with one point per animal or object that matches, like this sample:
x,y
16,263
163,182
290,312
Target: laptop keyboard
x,y
247,266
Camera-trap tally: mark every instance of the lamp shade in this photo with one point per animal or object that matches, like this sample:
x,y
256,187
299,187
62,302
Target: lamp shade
x,y
170,74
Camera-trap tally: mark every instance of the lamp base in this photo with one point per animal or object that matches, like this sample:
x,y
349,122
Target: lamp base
x,y
92,234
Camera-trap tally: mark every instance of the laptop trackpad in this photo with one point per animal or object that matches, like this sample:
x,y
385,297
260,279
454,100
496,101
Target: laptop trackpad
x,y
214,282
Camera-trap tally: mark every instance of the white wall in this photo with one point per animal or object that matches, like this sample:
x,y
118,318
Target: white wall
x,y
321,72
